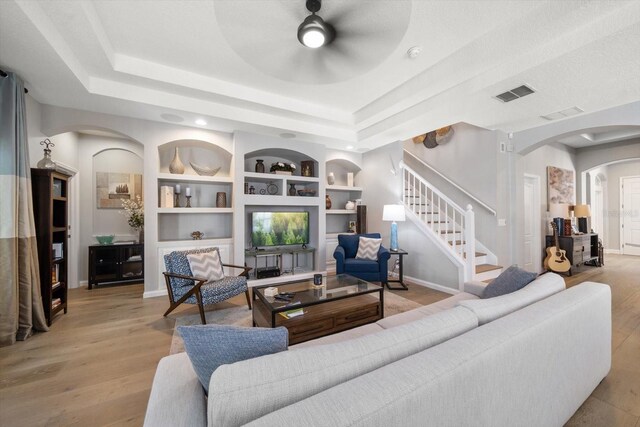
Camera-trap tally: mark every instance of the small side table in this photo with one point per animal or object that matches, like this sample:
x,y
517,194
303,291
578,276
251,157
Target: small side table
x,y
402,287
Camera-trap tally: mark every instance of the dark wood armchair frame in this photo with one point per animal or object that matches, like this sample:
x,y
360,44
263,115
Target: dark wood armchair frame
x,y
195,290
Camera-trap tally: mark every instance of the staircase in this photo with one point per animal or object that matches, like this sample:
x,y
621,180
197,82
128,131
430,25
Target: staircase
x,y
448,225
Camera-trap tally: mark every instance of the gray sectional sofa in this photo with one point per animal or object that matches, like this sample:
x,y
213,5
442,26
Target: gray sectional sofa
x,y
529,358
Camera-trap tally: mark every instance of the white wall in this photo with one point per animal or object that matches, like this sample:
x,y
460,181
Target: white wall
x,y
425,261
614,173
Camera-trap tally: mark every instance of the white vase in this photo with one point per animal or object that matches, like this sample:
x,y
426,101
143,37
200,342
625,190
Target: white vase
x,y
331,179
176,166
350,206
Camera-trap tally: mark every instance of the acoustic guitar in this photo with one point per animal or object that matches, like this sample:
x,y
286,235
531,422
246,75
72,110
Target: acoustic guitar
x,y
556,259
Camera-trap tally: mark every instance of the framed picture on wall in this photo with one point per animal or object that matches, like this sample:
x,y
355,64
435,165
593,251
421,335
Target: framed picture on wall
x,y
112,188
561,185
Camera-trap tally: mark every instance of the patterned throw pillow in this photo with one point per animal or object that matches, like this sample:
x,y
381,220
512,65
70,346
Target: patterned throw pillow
x,y
209,346
206,265
368,248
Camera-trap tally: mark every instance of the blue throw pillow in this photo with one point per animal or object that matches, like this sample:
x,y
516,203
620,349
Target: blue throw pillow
x,y
209,346
510,280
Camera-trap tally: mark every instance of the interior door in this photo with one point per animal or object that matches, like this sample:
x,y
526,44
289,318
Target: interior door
x,y
532,236
630,215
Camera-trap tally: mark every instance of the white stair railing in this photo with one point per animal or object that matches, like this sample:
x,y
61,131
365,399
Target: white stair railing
x,y
452,226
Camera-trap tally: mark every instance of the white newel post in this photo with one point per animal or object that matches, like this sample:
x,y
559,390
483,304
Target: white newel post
x,y
470,242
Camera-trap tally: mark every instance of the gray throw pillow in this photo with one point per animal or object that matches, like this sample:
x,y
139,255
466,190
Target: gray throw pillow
x,y
209,346
510,280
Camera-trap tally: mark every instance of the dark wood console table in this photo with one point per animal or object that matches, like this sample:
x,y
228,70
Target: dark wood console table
x,y
116,263
580,248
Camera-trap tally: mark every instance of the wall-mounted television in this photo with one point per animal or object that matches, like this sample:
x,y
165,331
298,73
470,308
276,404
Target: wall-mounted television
x,y
279,228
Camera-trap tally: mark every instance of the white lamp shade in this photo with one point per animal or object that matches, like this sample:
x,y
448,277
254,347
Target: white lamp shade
x,y
559,210
393,213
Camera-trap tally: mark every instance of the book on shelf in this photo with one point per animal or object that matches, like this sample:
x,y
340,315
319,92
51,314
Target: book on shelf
x,y
55,302
55,285
290,314
55,272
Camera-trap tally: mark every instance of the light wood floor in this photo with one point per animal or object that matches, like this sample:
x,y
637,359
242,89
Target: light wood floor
x,y
96,365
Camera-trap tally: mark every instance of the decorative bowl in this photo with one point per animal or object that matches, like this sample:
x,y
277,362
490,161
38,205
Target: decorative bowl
x,y
307,193
105,240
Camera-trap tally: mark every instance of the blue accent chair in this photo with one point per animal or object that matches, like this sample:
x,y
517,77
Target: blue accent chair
x,y
346,262
182,286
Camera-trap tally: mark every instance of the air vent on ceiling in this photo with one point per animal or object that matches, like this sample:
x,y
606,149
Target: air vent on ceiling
x,y
515,93
564,113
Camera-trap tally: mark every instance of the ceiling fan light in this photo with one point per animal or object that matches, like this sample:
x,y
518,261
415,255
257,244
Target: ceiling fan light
x,y
314,32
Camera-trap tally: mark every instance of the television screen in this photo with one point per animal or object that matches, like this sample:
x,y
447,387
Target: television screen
x,y
279,228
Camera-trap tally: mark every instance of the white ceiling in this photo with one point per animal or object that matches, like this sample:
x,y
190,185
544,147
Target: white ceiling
x,y
238,64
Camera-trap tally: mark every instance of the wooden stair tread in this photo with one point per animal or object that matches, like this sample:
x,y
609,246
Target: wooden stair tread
x,y
458,242
477,254
487,267
449,231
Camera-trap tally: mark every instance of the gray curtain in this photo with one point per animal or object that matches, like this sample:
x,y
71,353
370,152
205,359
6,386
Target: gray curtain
x,y
21,309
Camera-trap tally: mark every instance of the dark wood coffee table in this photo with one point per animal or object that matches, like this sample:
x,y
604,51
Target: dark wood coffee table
x,y
342,302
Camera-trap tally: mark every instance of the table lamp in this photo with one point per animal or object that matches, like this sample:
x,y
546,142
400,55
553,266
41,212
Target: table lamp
x,y
583,213
393,213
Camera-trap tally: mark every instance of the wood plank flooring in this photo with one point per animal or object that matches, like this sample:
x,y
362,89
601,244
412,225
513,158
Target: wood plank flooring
x,y
96,365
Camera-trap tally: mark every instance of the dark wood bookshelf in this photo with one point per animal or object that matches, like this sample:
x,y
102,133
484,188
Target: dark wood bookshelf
x,y
50,207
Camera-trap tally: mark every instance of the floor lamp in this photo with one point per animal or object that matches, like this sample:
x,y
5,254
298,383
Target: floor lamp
x,y
393,213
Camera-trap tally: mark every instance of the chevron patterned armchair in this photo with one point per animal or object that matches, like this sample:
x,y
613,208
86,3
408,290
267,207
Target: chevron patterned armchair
x,y
207,284
346,261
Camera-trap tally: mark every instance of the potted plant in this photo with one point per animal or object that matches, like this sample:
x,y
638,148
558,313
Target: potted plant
x,y
282,168
134,211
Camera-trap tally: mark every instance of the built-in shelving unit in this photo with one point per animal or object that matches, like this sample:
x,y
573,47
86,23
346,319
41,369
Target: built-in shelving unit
x,y
337,217
175,224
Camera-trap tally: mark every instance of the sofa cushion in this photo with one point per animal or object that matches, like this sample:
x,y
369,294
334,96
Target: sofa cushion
x,y
421,312
361,265
368,248
206,265
244,391
350,242
510,280
490,309
210,346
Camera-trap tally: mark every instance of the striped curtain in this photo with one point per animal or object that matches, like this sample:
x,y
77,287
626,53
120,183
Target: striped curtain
x,y
21,309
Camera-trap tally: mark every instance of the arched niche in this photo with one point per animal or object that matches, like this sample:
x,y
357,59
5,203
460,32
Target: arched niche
x,y
341,167
274,155
200,153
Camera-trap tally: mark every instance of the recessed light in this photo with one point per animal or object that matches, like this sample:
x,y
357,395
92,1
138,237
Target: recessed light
x,y
349,147
201,122
287,135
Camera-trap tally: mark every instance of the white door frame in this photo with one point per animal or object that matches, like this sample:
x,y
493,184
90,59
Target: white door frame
x,y
622,178
536,218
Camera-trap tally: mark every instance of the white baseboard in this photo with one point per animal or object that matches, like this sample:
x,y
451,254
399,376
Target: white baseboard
x,y
153,294
612,251
432,285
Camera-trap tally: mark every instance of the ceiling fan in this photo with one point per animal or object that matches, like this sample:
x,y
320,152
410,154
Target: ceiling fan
x,y
289,40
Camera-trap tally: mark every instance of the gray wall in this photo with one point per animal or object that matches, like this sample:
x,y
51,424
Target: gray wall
x,y
470,160
425,261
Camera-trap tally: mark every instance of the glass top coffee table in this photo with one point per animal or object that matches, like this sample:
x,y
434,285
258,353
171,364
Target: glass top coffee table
x,y
342,302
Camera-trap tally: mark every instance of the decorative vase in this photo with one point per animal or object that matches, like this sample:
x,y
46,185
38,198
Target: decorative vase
x,y
176,166
221,199
331,179
350,206
327,202
259,166
292,190
141,235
